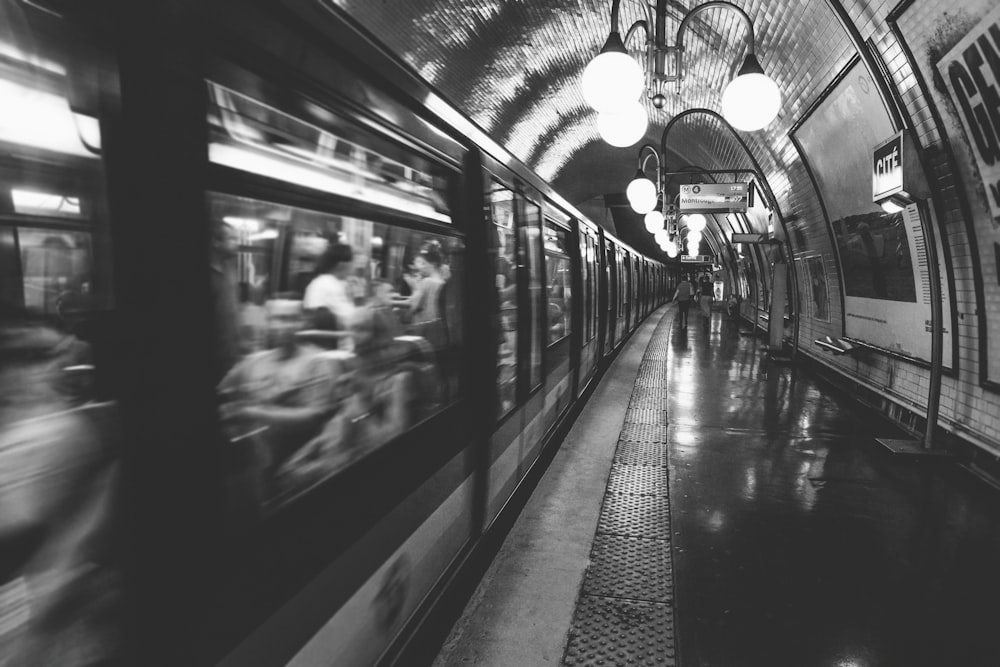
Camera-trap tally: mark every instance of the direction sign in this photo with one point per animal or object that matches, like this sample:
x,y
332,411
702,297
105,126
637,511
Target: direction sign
x,y
749,238
713,197
696,259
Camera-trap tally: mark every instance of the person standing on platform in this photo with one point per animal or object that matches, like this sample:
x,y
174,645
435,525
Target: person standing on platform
x,y
707,296
682,296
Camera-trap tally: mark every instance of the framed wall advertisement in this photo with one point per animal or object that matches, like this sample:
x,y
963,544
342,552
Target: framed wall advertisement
x,y
880,253
817,290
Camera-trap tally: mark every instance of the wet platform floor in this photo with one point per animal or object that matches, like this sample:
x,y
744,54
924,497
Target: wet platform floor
x,y
795,539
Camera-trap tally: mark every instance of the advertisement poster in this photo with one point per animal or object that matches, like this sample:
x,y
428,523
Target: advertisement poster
x,y
956,48
877,250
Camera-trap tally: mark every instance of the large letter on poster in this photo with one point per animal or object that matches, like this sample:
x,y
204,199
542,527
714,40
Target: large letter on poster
x,y
970,71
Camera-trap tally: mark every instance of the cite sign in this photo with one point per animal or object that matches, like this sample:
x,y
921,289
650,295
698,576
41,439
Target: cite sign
x,y
887,168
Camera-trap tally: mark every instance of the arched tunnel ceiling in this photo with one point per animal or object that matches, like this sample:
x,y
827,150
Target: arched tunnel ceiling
x,y
513,67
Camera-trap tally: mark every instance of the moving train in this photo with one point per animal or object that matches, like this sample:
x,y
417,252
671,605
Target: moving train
x,y
286,340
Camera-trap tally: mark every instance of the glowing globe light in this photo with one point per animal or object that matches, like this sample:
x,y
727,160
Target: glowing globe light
x,y
752,99
696,222
641,194
654,221
613,79
693,237
623,126
671,245
661,237
672,251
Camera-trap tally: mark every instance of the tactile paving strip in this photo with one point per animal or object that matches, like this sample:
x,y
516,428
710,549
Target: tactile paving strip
x,y
657,393
638,415
624,615
609,631
630,567
640,480
641,453
643,432
631,514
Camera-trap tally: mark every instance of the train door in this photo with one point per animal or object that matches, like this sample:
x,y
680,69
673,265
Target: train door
x,y
621,295
578,268
629,310
558,322
590,351
612,296
643,288
533,330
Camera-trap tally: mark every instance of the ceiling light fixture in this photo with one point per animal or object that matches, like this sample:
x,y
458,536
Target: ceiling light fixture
x,y
696,222
654,221
613,80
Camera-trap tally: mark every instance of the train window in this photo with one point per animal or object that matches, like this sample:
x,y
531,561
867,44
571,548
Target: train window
x,y
343,333
33,202
56,267
531,249
330,154
560,282
501,203
61,591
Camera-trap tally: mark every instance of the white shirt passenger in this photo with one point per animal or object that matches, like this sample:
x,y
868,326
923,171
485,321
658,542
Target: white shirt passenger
x,y
327,291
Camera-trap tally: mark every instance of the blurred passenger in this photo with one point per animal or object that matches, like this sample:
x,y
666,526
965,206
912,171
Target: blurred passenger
x,y
382,307
683,296
331,293
378,405
59,590
224,272
73,307
706,292
288,389
253,322
424,304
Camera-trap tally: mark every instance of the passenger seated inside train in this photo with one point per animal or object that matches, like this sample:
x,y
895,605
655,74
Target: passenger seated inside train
x,y
379,404
253,321
276,400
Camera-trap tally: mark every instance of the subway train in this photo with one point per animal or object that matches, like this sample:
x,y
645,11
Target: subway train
x,y
286,339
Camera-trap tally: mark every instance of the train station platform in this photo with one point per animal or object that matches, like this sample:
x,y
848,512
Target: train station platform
x,y
711,508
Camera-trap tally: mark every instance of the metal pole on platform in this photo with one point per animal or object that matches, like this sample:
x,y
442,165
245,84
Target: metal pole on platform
x,y
937,324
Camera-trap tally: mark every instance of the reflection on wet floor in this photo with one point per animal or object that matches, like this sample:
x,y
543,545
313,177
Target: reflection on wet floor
x,y
798,541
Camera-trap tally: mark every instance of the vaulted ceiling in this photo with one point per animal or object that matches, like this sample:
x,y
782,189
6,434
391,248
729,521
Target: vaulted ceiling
x,y
513,67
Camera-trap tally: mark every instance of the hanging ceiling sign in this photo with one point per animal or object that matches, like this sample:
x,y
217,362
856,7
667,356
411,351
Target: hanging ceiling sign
x,y
696,259
713,198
